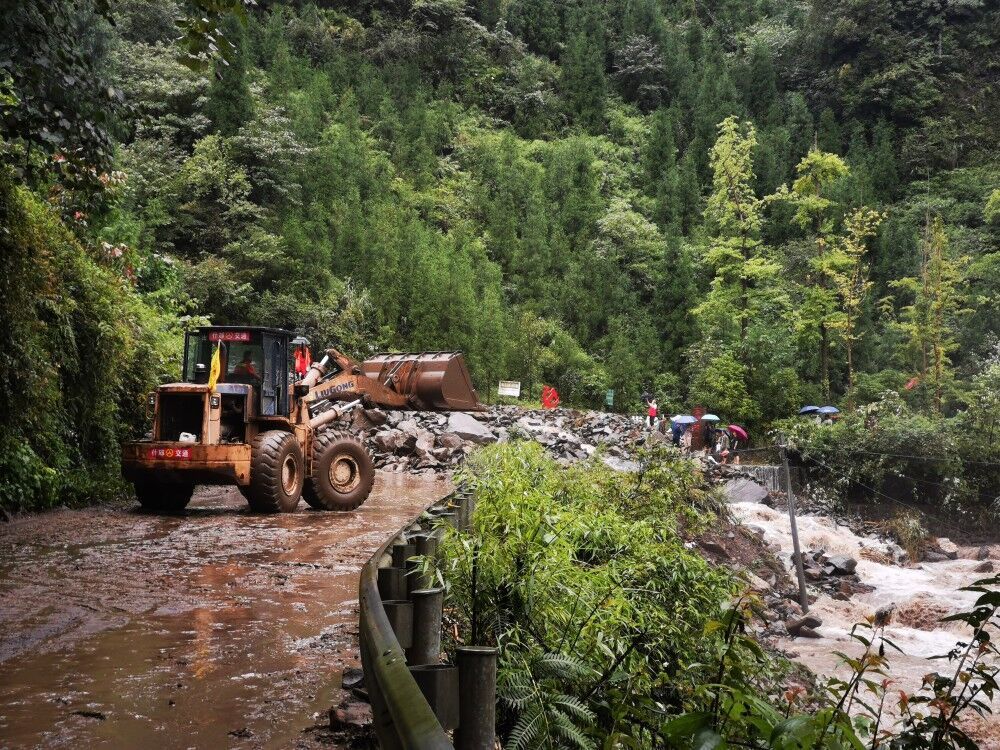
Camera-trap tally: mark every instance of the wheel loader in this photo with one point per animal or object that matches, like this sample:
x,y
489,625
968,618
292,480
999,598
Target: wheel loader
x,y
270,431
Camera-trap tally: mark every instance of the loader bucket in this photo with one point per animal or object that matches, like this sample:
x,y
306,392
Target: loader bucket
x,y
437,381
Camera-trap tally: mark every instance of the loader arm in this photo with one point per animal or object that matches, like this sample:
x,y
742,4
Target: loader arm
x,y
346,386
431,381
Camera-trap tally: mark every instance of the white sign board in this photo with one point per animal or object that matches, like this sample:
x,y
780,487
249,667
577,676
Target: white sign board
x,y
510,388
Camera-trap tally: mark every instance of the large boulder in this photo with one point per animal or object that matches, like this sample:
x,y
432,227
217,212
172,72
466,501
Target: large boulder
x,y
469,428
804,626
742,490
947,548
409,427
387,441
425,441
842,565
450,440
377,417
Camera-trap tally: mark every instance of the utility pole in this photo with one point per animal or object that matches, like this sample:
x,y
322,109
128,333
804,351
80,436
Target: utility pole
x,y
797,552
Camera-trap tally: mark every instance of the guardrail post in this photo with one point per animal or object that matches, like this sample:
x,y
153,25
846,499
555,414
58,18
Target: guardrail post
x,y
462,512
428,608
427,545
391,584
439,684
401,552
400,614
468,508
477,698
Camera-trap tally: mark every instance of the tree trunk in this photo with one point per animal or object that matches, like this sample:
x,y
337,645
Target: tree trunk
x,y
850,374
744,314
937,380
824,359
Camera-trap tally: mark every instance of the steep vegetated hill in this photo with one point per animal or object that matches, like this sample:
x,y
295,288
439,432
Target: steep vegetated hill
x,y
747,205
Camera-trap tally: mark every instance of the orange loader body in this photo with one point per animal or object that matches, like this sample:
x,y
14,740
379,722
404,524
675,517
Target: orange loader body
x,y
271,436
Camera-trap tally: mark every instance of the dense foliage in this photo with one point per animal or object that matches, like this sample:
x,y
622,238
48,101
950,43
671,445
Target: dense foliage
x,y
612,633
743,205
884,452
80,351
583,581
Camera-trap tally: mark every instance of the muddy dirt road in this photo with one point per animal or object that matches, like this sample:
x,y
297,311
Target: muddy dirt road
x,y
215,629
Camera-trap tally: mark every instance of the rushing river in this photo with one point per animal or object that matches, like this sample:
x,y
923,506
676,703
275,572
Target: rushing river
x,y
922,594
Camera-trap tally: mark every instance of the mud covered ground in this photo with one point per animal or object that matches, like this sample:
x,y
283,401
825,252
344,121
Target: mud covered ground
x,y
214,629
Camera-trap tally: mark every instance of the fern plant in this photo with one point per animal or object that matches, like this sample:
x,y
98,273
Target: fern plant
x,y
539,690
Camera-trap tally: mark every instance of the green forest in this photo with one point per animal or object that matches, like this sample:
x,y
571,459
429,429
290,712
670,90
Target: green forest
x,y
747,206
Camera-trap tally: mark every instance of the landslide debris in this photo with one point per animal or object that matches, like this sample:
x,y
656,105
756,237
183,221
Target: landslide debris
x,y
429,442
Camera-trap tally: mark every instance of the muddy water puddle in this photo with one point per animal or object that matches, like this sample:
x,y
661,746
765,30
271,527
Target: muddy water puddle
x,y
214,629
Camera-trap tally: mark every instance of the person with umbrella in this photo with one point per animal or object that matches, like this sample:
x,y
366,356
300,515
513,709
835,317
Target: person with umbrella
x,y
723,445
709,421
684,422
811,412
739,436
827,413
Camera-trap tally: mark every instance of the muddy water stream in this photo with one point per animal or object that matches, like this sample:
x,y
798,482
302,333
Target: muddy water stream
x,y
922,594
214,629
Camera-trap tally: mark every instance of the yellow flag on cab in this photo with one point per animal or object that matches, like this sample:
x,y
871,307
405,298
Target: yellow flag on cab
x,y
216,367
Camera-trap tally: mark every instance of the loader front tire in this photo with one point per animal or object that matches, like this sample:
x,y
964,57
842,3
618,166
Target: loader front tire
x,y
342,473
163,497
276,473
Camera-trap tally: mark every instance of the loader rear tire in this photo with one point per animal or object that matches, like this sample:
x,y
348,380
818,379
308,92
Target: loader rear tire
x,y
163,497
342,474
276,473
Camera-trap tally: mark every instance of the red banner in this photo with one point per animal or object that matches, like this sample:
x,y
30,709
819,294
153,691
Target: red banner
x,y
229,336
550,397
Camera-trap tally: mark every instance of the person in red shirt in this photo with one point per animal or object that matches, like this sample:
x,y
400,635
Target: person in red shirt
x,y
245,370
303,359
652,412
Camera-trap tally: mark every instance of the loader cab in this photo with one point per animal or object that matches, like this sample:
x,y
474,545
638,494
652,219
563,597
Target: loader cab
x,y
248,356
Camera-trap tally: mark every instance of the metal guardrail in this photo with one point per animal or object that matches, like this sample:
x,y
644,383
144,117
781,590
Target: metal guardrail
x,y
402,717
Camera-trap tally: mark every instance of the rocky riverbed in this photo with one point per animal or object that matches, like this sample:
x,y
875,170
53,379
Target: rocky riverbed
x,y
852,576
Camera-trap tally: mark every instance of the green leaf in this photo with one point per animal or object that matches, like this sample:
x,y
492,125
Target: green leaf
x,y
686,725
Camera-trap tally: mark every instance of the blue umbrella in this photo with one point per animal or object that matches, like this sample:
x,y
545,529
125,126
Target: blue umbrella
x,y
808,410
683,419
829,410
710,418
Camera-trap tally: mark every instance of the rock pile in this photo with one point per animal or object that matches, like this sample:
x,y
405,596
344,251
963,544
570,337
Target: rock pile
x,y
432,442
834,574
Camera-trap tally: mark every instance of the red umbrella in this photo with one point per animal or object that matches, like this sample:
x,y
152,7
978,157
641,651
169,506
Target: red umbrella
x,y
739,432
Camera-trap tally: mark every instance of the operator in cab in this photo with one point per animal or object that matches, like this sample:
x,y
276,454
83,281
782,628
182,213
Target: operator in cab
x,y
246,371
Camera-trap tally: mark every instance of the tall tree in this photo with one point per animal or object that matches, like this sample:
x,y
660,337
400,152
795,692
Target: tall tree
x,y
734,213
938,302
813,213
746,315
848,271
583,80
